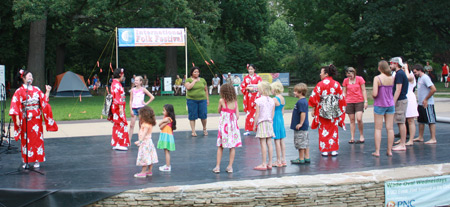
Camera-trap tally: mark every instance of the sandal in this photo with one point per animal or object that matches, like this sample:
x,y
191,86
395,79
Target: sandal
x,y
205,133
269,167
283,164
307,160
216,170
352,141
261,168
297,161
194,134
359,142
229,170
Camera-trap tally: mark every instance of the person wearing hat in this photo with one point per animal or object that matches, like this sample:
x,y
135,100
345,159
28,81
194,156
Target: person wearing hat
x,y
401,102
229,78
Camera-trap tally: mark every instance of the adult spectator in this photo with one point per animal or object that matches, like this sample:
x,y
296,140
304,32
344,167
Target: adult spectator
x,y
249,88
197,99
145,81
120,139
401,102
411,108
445,74
428,68
354,90
427,115
329,106
229,78
156,86
215,83
183,87
132,80
236,83
383,107
177,85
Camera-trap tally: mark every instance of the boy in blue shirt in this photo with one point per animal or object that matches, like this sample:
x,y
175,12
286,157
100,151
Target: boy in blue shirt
x,y
300,124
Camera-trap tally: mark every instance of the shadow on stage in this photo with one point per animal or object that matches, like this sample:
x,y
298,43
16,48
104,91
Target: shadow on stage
x,y
82,170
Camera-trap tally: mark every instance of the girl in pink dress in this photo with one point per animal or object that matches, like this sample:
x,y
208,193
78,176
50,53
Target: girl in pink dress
x,y
137,101
265,109
147,153
228,135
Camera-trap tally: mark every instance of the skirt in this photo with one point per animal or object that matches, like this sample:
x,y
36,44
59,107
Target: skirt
x,y
147,153
265,130
411,108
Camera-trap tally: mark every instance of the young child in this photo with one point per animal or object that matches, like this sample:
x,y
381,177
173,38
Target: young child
x,y
166,140
147,153
300,124
137,95
278,123
265,108
228,135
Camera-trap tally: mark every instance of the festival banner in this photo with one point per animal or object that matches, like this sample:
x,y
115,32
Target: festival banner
x,y
431,191
151,37
269,77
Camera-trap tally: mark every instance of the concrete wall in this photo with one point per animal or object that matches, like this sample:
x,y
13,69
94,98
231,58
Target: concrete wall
x,y
342,189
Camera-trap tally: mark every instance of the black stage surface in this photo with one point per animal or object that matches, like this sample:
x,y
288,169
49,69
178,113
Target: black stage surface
x,y
82,170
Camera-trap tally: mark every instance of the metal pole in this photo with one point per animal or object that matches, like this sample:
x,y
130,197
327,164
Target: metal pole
x,y
186,50
117,50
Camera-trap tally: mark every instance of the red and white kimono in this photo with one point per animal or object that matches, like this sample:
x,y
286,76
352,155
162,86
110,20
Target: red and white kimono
x,y
120,127
249,99
329,113
36,104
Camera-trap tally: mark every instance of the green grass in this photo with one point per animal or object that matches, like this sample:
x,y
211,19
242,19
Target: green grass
x,y
440,87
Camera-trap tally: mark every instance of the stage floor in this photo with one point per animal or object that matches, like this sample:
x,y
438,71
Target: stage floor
x,y
82,170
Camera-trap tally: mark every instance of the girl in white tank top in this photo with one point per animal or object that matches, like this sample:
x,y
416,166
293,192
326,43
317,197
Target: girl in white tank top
x,y
137,96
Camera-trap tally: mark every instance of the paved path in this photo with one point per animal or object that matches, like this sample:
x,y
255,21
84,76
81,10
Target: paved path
x,y
104,127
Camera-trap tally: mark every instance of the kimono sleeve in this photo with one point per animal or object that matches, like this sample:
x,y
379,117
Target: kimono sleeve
x,y
14,111
244,85
50,123
342,105
117,96
314,101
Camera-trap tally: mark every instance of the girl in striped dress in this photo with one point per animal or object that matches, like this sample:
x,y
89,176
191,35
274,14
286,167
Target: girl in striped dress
x,y
265,108
166,140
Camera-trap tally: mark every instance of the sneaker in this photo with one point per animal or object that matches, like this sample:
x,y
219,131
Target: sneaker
x,y
334,153
246,133
120,148
36,165
165,168
140,175
324,153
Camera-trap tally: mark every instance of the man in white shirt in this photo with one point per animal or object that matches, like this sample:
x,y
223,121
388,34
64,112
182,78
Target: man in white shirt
x,y
427,115
215,84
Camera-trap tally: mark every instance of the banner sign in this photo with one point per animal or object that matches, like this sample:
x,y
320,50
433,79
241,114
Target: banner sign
x,y
431,191
269,77
151,37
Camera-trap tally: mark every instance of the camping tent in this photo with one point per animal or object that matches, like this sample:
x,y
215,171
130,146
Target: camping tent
x,y
70,84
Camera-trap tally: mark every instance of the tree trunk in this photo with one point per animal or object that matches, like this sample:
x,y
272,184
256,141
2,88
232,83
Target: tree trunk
x,y
36,52
60,57
171,62
360,66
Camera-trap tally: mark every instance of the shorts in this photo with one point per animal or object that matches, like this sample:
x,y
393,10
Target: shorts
x,y
383,110
301,139
426,115
265,130
400,111
197,109
352,108
136,111
445,78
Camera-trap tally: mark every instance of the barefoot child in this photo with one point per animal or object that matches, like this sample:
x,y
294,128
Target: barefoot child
x,y
166,140
147,153
137,95
228,135
278,123
265,108
300,124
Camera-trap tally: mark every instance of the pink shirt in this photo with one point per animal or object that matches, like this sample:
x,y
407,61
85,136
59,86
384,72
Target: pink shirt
x,y
138,98
354,92
266,107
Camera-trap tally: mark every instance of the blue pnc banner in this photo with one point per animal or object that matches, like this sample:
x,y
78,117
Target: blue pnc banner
x,y
432,191
151,37
269,77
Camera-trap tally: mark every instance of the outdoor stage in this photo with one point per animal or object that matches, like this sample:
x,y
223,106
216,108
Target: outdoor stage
x,y
83,170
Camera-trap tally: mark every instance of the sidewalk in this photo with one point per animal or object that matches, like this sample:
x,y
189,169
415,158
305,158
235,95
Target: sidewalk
x,y
104,127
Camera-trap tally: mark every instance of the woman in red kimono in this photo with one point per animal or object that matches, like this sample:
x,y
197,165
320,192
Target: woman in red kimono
x,y
119,140
329,107
31,100
250,90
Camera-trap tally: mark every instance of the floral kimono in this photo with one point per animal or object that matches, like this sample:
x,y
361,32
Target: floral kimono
x,y
249,99
36,104
120,127
329,113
